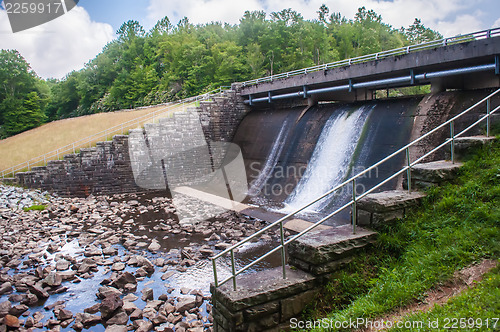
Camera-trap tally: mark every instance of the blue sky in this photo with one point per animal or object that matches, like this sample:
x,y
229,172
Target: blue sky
x,y
68,42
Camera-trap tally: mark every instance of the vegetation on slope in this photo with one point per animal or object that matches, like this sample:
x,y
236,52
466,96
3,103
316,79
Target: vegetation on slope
x,y
457,225
175,61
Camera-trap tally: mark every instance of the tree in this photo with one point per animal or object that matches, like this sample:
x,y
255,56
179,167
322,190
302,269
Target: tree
x,y
20,90
417,33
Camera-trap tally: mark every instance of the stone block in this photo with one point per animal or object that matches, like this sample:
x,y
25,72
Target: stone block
x,y
323,247
467,146
252,290
386,206
432,174
292,306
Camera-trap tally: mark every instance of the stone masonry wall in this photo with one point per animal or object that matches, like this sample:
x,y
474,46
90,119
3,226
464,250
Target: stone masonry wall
x,y
106,168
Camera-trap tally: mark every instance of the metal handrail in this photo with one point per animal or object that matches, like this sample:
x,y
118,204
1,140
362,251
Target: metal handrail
x,y
380,55
352,182
104,134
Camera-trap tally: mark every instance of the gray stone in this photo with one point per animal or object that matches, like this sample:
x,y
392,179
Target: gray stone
x,y
53,279
324,246
185,304
120,318
5,308
110,305
147,294
5,288
433,173
123,279
116,328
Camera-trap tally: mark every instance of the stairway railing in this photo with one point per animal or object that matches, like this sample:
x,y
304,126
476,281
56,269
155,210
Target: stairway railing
x,y
381,55
105,134
351,183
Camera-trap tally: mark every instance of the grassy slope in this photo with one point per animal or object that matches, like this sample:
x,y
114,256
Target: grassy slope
x,y
457,225
477,309
19,148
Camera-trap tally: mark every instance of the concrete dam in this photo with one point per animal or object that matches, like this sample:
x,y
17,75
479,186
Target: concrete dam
x,y
291,161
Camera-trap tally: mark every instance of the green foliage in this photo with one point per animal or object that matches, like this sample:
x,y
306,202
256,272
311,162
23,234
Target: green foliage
x,y
170,62
35,208
457,225
23,96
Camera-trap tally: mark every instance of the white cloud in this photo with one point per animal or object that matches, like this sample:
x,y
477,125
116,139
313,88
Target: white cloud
x,y
59,46
496,24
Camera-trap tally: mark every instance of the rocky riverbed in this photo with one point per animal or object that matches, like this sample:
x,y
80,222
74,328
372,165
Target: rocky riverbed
x,y
114,263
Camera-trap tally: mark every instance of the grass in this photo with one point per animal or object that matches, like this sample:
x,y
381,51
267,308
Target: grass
x,y
457,225
477,309
35,208
51,136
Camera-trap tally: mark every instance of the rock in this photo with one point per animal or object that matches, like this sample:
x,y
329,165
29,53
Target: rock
x,y
110,251
142,326
5,308
53,305
185,290
174,319
116,328
11,321
141,272
119,266
5,288
53,279
167,275
38,291
147,294
120,318
130,288
154,246
18,310
30,322
62,265
123,279
106,291
159,319
30,300
110,305
129,307
185,304
93,309
136,314
73,209
88,319
130,298
63,314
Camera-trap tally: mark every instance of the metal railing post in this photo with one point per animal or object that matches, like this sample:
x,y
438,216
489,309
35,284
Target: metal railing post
x,y
408,172
233,268
216,282
488,110
283,257
354,210
28,165
452,147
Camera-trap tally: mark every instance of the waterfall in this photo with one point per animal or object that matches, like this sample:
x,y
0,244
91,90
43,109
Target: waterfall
x,y
330,160
271,161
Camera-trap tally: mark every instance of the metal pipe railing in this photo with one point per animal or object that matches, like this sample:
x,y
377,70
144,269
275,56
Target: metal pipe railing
x,y
104,134
355,197
381,55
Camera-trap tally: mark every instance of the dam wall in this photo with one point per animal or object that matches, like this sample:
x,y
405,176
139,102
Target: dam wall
x,y
106,168
277,143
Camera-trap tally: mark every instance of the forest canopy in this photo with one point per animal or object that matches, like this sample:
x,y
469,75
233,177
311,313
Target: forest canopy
x,y
171,62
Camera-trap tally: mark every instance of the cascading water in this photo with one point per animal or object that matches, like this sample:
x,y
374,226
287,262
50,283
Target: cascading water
x,y
271,161
331,158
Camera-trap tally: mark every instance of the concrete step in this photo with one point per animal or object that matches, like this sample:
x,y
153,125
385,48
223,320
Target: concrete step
x,y
386,206
324,251
263,301
430,174
467,146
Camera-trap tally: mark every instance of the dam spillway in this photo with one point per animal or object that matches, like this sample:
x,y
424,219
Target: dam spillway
x,y
292,159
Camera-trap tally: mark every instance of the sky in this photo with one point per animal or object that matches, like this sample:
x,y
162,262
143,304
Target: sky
x,y
65,44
